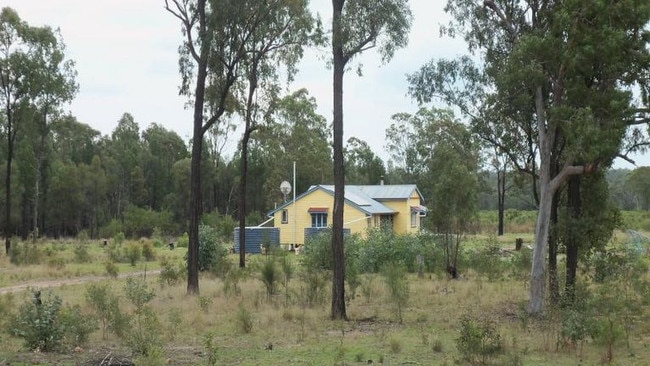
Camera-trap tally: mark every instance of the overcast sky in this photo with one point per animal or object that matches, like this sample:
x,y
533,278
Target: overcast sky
x,y
126,58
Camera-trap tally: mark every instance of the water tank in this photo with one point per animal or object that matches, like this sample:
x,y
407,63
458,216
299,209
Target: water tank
x,y
256,237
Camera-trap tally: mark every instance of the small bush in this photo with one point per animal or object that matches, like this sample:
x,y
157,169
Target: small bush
x,y
170,273
38,323
81,254
313,287
22,254
183,241
111,269
105,305
479,340
269,276
213,256
133,253
78,326
398,287
148,252
245,320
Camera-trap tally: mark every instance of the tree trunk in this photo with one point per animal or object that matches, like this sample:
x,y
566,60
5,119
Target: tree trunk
x,y
538,271
338,280
197,146
10,155
553,285
575,210
242,196
501,193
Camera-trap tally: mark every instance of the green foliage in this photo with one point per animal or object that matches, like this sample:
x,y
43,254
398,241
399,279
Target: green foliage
x,y
133,253
487,261
38,324
211,348
171,273
137,291
105,304
147,251
118,238
143,336
78,326
112,229
111,268
479,340
183,241
270,276
398,287
24,253
141,222
245,320
213,256
231,282
313,286
81,254
223,224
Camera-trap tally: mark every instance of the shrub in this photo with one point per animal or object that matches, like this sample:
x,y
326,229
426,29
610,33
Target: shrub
x,y
313,286
25,254
213,256
269,276
183,241
133,253
479,340
78,326
245,320
81,254
143,336
398,287
111,269
118,238
147,251
171,273
111,229
38,323
105,304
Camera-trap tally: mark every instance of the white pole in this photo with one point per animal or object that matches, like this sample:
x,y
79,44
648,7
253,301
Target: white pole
x,y
295,214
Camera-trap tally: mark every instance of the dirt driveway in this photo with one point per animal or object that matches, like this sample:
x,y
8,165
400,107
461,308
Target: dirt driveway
x,y
69,281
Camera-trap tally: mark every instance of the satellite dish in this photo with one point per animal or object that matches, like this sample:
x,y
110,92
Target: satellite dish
x,y
285,188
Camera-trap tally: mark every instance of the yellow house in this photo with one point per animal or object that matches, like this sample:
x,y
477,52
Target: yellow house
x,y
399,207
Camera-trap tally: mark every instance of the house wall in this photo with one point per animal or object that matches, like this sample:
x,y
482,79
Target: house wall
x,y
402,220
293,230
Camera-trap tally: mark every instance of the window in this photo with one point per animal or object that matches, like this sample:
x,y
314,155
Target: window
x,y
319,219
285,216
414,219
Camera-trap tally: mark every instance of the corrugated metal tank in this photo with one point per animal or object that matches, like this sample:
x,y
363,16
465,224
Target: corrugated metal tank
x,y
256,236
313,231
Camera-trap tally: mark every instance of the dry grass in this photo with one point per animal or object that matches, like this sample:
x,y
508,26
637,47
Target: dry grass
x,y
295,334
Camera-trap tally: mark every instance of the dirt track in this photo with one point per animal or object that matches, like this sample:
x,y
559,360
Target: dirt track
x,y
69,281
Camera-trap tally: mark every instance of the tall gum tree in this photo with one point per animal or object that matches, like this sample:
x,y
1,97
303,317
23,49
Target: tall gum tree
x,y
218,51
34,80
576,63
286,26
357,25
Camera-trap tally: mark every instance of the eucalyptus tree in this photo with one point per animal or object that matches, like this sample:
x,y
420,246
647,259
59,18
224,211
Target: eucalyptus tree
x,y
125,148
297,133
163,148
575,63
357,26
34,80
220,36
362,166
638,182
284,28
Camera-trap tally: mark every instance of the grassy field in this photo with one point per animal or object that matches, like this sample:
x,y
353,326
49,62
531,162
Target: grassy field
x,y
234,320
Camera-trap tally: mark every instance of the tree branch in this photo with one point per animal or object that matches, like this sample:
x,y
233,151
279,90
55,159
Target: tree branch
x,y
182,14
499,13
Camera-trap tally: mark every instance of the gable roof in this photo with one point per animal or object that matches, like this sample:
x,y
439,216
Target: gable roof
x,y
366,198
